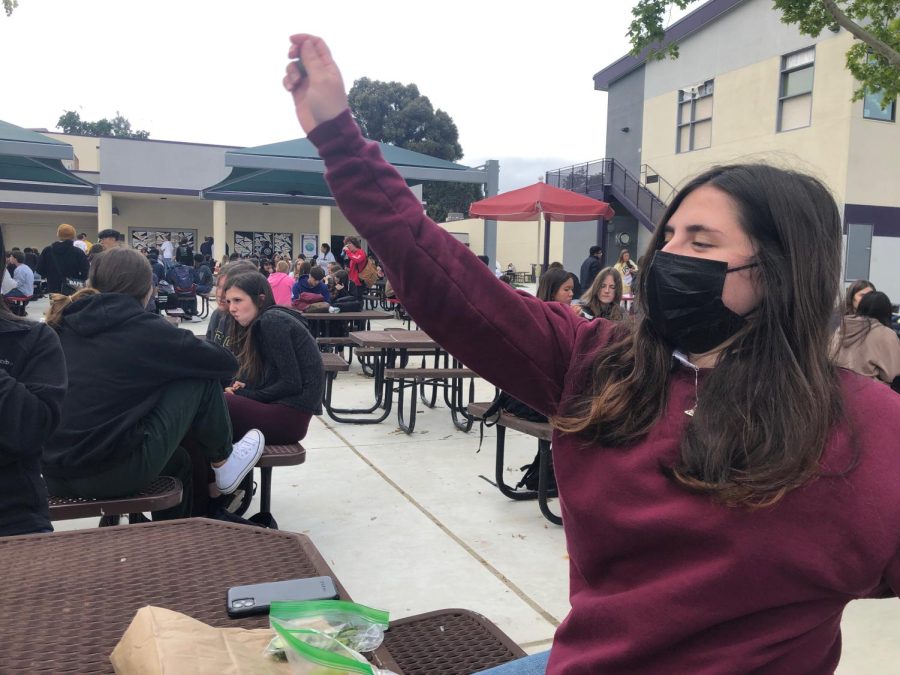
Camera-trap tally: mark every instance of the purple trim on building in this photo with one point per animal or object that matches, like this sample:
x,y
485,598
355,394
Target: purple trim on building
x,y
25,206
149,190
886,219
677,31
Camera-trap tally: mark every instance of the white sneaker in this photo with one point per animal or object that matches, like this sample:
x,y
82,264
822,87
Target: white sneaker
x,y
196,319
244,456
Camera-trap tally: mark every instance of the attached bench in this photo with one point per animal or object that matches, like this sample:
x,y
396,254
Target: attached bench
x,y
543,431
17,305
450,642
162,493
449,379
276,455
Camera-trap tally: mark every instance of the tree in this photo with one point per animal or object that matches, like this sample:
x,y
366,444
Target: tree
x,y
874,61
9,6
119,127
395,113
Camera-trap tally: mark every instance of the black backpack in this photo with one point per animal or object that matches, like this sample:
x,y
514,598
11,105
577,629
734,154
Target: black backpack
x,y
506,403
182,278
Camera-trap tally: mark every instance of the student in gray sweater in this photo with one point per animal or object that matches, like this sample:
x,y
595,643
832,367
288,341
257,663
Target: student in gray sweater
x,y
281,380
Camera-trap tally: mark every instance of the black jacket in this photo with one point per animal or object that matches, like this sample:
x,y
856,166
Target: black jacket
x,y
32,389
590,268
119,358
293,373
59,260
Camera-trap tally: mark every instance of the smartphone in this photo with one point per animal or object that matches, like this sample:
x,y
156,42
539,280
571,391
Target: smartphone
x,y
256,598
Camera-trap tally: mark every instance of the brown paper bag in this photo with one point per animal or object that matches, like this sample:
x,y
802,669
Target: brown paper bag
x,y
162,641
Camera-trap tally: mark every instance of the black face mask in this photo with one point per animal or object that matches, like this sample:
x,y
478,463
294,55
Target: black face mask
x,y
684,296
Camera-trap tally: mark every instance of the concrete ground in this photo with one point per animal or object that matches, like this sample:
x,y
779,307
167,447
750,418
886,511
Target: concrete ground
x,y
409,524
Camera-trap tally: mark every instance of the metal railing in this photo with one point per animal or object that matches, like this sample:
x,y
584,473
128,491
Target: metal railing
x,y
650,199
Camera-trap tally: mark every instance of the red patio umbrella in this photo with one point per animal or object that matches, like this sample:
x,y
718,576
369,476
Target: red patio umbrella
x,y
554,203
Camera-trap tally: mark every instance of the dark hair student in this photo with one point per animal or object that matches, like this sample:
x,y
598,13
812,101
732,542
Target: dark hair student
x,y
32,388
855,293
138,386
280,380
723,489
551,283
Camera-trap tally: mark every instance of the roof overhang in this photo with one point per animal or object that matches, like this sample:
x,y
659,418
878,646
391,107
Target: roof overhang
x,y
32,162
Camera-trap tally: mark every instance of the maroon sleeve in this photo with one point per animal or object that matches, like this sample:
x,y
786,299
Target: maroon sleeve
x,y
509,337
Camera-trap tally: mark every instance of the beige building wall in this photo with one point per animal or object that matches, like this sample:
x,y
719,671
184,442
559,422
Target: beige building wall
x,y
86,148
519,243
37,229
744,123
873,160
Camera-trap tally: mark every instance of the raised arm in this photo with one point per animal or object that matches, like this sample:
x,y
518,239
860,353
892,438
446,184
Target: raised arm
x,y
510,338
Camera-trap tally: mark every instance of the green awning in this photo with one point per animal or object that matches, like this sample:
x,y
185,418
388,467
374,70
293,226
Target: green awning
x,y
32,162
292,172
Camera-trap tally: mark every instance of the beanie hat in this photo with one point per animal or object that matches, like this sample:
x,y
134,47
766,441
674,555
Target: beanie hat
x,y
65,231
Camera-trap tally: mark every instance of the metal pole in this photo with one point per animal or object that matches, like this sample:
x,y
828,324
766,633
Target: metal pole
x,y
492,187
546,262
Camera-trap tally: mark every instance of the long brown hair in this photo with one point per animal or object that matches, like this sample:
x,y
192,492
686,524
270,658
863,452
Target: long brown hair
x,y
852,290
765,411
245,340
550,283
591,299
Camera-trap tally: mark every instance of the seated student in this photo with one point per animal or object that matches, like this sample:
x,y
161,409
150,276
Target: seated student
x,y
865,343
556,285
281,283
856,292
725,491
219,328
280,380
311,283
301,267
138,386
603,299
182,279
32,389
266,267
203,276
22,275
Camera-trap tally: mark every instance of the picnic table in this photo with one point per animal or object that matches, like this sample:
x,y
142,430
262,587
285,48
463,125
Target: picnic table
x,y
392,350
70,596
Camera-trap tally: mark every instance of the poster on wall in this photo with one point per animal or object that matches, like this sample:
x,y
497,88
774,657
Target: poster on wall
x,y
263,244
147,239
309,244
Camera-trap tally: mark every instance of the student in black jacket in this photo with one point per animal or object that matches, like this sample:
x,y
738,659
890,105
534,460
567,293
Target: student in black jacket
x,y
62,260
137,387
281,379
32,388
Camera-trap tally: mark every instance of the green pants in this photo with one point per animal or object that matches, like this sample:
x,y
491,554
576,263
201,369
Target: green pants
x,y
195,407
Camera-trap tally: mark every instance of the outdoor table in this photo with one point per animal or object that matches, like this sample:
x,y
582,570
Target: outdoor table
x,y
70,596
394,346
360,320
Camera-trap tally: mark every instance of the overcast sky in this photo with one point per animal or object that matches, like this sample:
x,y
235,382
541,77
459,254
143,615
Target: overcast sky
x,y
514,76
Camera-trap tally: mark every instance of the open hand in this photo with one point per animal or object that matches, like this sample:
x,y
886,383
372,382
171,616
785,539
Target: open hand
x,y
319,95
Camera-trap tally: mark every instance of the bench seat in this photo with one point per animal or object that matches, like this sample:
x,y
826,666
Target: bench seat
x,y
425,373
162,493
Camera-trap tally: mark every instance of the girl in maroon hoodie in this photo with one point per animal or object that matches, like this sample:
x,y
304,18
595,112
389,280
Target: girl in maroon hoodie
x,y
725,490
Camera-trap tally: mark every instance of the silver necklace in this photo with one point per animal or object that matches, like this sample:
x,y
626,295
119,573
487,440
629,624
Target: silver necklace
x,y
683,359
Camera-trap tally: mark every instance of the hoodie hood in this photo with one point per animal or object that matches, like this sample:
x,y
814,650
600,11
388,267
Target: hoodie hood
x,y
59,247
98,313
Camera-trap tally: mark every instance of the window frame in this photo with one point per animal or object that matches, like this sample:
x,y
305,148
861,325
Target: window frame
x,y
783,72
708,89
869,92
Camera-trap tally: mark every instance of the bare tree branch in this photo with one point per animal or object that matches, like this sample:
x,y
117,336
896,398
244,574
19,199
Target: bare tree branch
x,y
860,33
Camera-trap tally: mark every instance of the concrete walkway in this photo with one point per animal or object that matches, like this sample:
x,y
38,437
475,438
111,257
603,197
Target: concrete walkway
x,y
409,525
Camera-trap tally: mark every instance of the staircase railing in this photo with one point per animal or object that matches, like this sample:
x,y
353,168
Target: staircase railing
x,y
646,199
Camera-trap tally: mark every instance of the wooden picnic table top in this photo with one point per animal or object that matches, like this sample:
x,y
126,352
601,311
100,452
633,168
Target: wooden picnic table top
x,y
367,315
396,339
71,595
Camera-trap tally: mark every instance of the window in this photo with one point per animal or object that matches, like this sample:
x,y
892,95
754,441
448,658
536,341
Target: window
x,y
872,105
795,90
695,108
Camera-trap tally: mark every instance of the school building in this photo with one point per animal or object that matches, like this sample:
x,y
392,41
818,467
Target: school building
x,y
272,196
746,87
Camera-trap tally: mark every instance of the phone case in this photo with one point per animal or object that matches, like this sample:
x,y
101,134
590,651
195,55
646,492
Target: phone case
x,y
256,598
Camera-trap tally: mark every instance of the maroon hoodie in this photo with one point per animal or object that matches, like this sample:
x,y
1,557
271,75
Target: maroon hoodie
x,y
662,580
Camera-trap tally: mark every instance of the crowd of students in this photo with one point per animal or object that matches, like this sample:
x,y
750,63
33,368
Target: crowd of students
x,y
105,396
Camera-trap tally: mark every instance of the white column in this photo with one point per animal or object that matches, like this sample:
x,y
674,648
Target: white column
x,y
104,211
219,232
325,227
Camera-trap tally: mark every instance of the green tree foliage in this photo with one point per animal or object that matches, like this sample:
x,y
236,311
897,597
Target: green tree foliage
x,y
395,113
874,60
9,6
119,127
